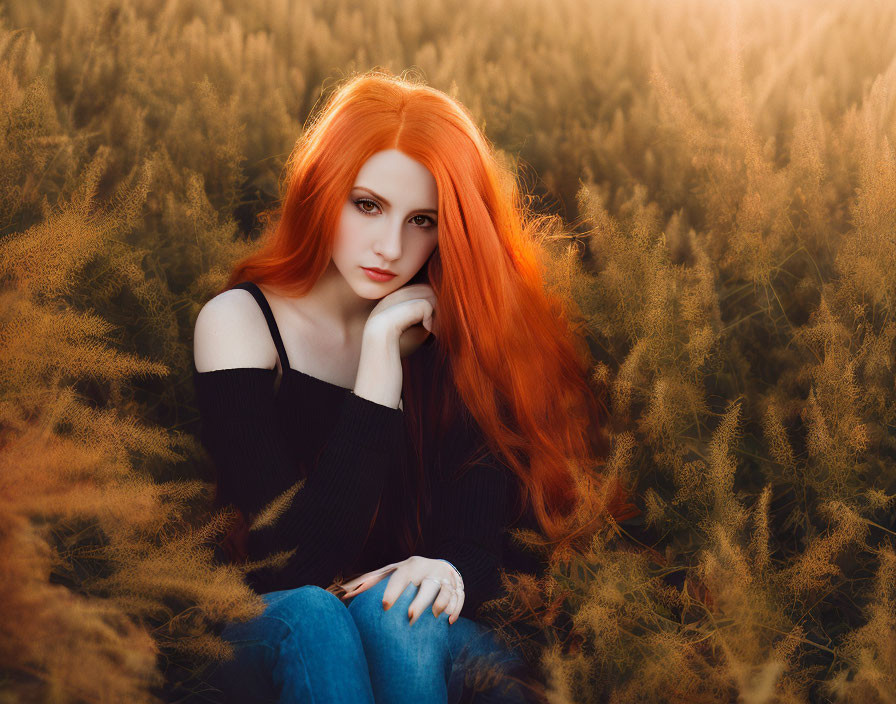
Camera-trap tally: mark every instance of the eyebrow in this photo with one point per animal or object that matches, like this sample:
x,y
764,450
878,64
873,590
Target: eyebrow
x,y
376,195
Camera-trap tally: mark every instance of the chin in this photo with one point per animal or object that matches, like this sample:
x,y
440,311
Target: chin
x,y
374,291
378,293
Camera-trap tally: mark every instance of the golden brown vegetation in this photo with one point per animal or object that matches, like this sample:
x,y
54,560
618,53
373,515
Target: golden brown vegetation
x,y
723,177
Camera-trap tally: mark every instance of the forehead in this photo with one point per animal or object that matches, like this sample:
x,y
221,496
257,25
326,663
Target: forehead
x,y
400,179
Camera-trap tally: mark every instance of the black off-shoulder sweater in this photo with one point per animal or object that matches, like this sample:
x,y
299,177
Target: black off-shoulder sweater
x,y
355,458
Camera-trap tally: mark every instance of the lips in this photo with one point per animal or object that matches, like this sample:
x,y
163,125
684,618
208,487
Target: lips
x,y
379,271
378,274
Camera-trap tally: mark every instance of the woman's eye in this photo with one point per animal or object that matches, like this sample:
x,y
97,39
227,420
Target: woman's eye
x,y
425,220
361,202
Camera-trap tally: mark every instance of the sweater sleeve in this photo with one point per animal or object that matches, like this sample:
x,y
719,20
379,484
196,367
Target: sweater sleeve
x,y
469,515
328,517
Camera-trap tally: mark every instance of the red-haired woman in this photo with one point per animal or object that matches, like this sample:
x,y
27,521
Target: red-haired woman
x,y
385,388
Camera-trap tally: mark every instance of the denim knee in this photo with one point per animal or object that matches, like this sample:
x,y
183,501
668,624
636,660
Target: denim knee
x,y
289,605
392,630
290,650
290,613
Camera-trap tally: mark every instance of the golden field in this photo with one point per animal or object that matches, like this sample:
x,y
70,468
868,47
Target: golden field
x,y
722,182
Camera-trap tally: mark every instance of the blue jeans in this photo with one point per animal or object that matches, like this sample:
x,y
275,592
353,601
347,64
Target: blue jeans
x,y
311,646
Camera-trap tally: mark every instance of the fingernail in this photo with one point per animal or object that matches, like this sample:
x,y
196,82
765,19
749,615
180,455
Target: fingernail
x,y
385,606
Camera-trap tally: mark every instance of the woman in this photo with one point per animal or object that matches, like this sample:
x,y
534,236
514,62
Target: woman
x,y
386,388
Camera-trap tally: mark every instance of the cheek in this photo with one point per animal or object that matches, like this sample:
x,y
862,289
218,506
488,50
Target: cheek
x,y
425,245
346,242
428,251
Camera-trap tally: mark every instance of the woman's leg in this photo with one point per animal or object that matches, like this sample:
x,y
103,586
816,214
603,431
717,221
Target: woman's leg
x,y
485,666
303,648
432,661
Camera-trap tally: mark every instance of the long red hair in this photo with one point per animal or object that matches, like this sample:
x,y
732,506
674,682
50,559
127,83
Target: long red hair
x,y
518,362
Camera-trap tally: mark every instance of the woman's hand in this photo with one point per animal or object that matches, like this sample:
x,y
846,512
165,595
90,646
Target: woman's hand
x,y
388,336
437,580
408,312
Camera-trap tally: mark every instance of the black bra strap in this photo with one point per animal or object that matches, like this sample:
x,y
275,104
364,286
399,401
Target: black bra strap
x,y
252,288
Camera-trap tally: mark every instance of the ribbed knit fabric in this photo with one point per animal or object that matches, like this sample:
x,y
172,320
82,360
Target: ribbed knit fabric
x,y
348,450
328,517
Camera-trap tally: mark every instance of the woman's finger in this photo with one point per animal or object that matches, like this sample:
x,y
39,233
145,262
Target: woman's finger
x,y
366,584
426,592
398,581
352,583
452,602
354,586
457,603
441,602
367,575
452,584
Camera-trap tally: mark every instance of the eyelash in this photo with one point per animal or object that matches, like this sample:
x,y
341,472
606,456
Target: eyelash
x,y
367,212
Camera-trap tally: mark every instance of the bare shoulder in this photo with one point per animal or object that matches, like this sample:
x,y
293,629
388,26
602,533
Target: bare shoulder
x,y
231,332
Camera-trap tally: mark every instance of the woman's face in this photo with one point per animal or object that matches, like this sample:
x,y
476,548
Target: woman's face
x,y
389,222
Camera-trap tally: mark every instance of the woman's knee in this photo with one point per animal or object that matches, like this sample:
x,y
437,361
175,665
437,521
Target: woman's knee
x,y
303,605
393,626
301,640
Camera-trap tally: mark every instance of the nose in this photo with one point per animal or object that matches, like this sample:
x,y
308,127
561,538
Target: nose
x,y
388,245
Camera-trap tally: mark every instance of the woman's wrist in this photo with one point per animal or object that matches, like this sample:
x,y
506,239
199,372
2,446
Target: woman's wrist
x,y
379,354
455,569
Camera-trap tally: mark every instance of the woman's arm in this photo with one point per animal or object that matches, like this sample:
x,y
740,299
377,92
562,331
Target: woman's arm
x,y
470,514
327,519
